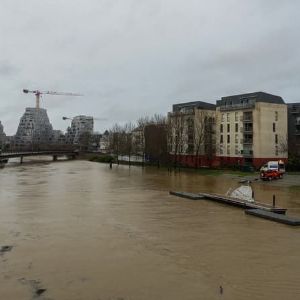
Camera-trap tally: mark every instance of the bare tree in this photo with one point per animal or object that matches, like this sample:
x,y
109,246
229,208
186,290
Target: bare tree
x,y
176,135
156,143
283,145
115,140
127,140
139,137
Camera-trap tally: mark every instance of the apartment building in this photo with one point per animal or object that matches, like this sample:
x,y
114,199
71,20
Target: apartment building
x,y
2,136
294,128
104,146
81,128
138,140
192,133
34,128
251,128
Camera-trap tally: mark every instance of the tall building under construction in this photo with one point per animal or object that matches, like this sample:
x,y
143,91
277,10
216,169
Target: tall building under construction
x,y
34,128
2,135
81,126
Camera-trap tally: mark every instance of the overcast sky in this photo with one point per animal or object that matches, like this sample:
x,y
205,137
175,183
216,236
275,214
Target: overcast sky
x,y
132,58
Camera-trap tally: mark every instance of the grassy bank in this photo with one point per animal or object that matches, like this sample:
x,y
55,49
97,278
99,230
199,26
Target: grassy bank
x,y
203,171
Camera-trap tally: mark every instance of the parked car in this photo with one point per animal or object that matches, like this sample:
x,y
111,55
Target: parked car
x,y
270,175
272,170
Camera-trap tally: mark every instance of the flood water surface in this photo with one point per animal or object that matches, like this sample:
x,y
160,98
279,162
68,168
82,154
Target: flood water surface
x,y
79,230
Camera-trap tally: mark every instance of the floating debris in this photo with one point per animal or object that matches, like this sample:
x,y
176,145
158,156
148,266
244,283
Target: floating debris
x,y
221,290
40,291
4,249
35,285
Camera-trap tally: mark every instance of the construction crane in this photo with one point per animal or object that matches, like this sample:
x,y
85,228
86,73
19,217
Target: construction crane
x,y
39,93
95,119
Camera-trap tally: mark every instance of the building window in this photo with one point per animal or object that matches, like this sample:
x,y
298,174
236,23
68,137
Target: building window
x,y
228,138
236,127
248,116
236,150
276,150
221,150
221,128
228,149
276,138
236,116
276,115
190,149
228,127
248,139
221,139
228,117
248,127
222,118
236,138
274,127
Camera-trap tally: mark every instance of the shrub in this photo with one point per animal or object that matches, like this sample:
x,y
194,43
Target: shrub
x,y
102,159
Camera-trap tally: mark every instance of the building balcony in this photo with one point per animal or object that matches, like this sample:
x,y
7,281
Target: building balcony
x,y
297,132
239,106
295,111
247,152
181,113
250,131
248,142
247,119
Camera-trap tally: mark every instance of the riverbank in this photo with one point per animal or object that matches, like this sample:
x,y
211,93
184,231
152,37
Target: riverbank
x,y
290,180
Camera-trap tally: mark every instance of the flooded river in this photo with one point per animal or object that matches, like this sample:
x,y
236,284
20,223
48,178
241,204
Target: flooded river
x,y
82,231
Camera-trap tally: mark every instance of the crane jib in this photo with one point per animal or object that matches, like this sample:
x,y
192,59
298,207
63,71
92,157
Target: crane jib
x,y
38,93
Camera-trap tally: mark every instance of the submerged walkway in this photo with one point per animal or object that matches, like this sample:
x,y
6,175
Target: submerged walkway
x,y
257,209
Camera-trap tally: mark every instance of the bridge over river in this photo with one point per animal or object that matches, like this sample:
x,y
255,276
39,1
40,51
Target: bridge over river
x,y
5,156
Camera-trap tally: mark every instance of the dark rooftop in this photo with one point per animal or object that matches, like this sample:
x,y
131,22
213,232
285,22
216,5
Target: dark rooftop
x,y
194,104
250,98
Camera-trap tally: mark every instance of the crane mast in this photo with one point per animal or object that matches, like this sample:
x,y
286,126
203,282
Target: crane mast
x,y
39,93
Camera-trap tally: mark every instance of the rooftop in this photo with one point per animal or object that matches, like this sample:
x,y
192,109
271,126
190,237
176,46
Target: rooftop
x,y
249,98
195,104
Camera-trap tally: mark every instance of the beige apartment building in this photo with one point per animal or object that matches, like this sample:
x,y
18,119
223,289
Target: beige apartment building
x,y
192,140
251,128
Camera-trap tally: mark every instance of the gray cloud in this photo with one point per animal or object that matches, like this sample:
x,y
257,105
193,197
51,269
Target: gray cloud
x,y
136,57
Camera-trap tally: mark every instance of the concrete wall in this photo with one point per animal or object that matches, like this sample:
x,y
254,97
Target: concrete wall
x,y
265,146
231,118
264,141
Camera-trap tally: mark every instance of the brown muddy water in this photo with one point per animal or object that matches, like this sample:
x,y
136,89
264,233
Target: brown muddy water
x,y
82,231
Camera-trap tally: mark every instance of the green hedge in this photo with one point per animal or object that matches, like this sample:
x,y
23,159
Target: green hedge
x,y
102,159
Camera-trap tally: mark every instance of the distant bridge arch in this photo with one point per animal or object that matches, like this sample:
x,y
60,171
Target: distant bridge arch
x,y
5,156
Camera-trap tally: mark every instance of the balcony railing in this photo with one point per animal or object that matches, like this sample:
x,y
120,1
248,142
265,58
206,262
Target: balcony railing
x,y
248,130
237,106
248,141
297,132
295,111
247,152
248,119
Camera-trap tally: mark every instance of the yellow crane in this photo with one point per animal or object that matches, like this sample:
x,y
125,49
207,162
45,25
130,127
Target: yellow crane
x,y
39,93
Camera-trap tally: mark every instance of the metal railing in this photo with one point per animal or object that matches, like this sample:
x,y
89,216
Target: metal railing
x,y
237,106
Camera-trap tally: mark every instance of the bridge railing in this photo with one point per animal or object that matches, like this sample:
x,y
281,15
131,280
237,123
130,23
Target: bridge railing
x,y
40,148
